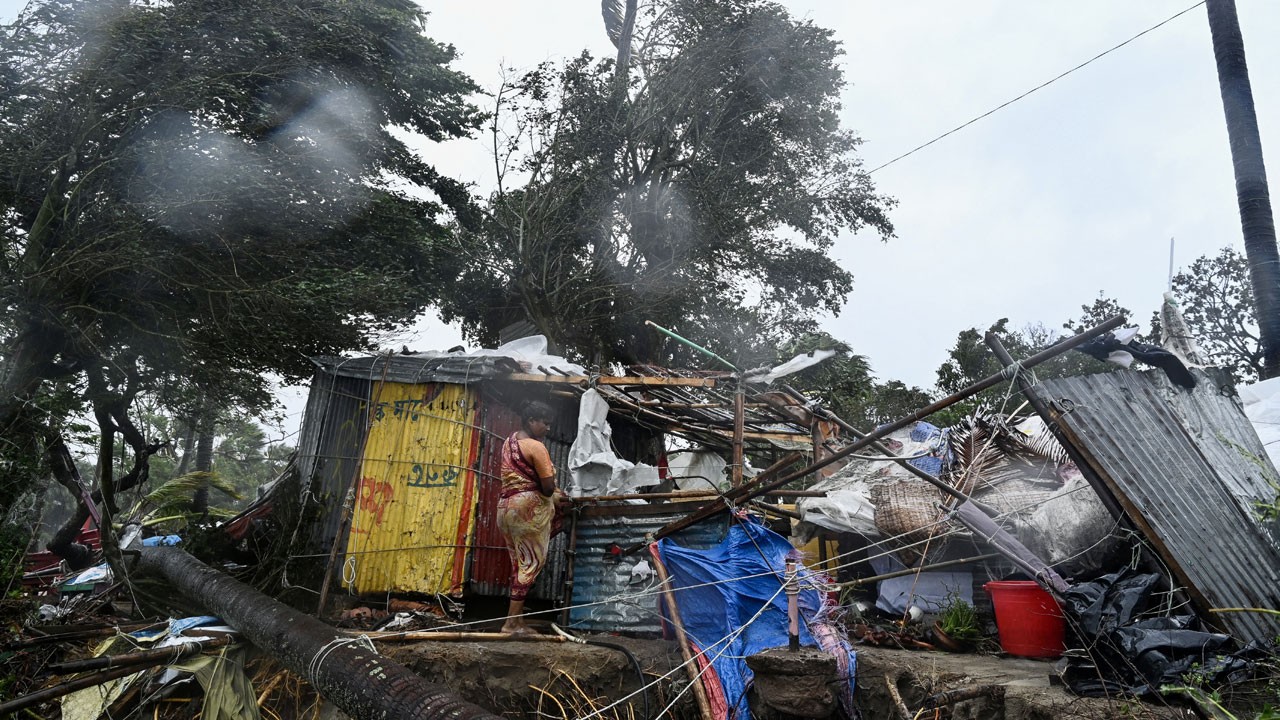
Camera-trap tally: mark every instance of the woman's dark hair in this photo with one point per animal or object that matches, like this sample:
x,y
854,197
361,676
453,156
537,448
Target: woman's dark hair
x,y
536,410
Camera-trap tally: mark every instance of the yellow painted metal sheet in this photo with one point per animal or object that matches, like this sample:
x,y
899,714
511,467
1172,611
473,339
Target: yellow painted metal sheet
x,y
413,517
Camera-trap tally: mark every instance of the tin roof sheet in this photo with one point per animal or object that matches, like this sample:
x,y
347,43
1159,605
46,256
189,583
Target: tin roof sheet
x,y
460,370
1187,467
606,597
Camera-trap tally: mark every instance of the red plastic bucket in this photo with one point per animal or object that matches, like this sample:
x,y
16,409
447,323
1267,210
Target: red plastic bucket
x,y
1028,618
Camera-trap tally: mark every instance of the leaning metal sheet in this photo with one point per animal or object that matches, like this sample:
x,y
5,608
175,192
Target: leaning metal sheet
x,y
1187,467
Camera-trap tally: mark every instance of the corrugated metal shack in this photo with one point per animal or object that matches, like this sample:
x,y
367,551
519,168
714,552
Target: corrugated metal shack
x,y
416,441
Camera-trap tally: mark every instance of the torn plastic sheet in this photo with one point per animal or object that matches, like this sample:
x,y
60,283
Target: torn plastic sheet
x,y
594,469
1137,657
847,506
697,469
1261,402
732,605
794,365
531,351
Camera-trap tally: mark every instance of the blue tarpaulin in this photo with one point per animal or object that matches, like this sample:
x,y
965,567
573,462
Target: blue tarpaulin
x,y
732,605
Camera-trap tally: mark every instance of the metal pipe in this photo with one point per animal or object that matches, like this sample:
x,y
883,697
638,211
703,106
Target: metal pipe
x,y
1051,417
690,343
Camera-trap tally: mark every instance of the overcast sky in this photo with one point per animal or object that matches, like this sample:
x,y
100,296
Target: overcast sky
x,y
1027,214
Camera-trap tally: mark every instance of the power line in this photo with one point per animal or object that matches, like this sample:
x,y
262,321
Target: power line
x,y
1038,87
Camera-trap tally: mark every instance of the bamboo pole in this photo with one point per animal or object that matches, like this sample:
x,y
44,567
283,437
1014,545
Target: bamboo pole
x,y
446,636
70,686
884,430
690,494
691,667
169,654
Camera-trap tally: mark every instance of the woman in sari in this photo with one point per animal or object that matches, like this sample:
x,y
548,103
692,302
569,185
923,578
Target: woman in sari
x,y
529,511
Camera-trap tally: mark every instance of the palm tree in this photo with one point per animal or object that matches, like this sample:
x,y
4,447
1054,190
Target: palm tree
x,y
1251,177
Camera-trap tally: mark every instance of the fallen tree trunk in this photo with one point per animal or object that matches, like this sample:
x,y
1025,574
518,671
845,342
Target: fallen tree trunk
x,y
356,679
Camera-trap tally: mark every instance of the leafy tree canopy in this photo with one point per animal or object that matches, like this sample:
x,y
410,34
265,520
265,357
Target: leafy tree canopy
x,y
1216,299
194,193
701,188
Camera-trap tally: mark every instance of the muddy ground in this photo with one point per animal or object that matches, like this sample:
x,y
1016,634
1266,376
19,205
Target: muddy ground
x,y
569,680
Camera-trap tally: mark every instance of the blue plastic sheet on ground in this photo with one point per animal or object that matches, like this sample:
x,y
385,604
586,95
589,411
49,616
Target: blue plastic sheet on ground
x,y
744,611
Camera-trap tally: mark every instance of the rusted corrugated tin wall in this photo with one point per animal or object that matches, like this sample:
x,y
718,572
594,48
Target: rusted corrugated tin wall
x,y
413,515
605,597
1186,466
329,444
490,563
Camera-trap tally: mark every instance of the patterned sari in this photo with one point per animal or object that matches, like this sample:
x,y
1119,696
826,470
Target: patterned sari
x,y
527,518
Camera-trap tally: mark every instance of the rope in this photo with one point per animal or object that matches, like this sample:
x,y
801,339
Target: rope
x,y
317,660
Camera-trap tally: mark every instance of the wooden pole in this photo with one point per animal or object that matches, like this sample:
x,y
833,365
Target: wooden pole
x,y
699,692
739,421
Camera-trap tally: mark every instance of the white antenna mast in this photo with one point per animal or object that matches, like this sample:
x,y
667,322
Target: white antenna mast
x,y
1170,264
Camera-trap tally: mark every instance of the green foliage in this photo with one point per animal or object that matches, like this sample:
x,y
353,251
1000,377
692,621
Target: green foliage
x,y
970,360
195,193
1216,299
845,385
701,190
959,620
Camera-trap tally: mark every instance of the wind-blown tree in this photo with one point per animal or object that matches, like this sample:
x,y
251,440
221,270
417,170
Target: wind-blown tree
x,y
1216,299
195,193
703,196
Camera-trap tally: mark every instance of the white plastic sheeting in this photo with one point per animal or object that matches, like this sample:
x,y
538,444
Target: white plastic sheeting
x,y
1262,407
847,506
698,469
794,365
531,351
930,590
594,469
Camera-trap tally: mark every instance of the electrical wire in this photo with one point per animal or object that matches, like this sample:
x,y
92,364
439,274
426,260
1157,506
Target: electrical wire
x,y
1034,89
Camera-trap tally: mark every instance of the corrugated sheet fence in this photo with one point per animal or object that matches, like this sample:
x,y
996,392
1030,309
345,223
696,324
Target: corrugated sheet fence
x,y
608,595
414,502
